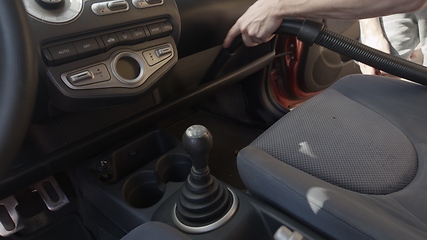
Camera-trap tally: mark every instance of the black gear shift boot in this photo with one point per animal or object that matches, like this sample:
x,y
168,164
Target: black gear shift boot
x,y
204,203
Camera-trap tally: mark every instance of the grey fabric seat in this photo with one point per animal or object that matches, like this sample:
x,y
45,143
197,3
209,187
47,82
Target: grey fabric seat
x,y
350,162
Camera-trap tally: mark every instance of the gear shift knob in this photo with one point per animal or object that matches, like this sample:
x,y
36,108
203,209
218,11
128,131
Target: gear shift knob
x,y
204,203
197,142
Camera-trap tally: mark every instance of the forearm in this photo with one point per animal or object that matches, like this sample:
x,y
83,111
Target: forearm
x,y
370,27
343,9
371,34
259,22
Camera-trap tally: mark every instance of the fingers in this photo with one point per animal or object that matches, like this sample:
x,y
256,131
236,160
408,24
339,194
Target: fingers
x,y
231,35
256,25
250,38
365,69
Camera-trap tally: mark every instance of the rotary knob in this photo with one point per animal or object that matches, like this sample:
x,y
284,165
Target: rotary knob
x,y
50,4
54,11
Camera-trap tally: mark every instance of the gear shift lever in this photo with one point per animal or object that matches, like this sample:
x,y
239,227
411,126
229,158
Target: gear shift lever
x,y
204,203
197,141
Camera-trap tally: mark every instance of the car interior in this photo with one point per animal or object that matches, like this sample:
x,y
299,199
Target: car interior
x,y
127,119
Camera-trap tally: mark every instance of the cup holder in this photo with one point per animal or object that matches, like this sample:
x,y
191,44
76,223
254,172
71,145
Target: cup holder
x,y
174,168
145,188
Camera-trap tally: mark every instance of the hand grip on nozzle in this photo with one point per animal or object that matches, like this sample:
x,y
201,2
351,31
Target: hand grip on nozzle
x,y
306,31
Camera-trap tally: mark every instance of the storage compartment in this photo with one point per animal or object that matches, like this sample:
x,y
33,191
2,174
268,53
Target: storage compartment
x,y
132,180
119,163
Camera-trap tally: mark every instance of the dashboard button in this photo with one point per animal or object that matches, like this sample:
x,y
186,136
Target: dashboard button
x,y
118,5
157,55
125,37
163,51
138,34
147,3
79,77
166,27
150,2
63,53
87,47
110,40
92,75
155,30
109,7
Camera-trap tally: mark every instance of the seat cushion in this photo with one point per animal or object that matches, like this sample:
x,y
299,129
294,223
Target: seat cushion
x,y
349,162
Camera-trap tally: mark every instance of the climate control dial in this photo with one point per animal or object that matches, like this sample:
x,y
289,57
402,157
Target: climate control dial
x,y
54,11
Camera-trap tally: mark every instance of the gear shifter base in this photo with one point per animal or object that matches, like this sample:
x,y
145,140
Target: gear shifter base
x,y
204,203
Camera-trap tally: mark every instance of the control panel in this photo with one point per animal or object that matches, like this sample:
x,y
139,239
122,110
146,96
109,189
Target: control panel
x,y
102,53
65,11
126,69
71,51
95,71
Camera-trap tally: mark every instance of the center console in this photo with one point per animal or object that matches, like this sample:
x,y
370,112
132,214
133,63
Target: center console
x,y
173,186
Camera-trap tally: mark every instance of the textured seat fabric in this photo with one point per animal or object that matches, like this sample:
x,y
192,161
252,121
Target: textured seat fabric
x,y
155,230
350,162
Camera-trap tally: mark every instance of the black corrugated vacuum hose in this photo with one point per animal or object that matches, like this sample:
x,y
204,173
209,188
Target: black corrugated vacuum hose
x,y
311,32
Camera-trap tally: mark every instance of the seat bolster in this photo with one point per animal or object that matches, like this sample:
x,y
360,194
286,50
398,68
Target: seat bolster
x,y
333,211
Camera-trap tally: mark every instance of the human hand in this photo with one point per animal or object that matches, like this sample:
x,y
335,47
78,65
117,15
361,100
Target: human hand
x,y
366,69
257,24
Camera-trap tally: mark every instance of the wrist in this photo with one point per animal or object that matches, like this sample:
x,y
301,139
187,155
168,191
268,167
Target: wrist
x,y
279,9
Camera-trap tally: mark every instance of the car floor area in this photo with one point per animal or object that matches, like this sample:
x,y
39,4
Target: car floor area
x,y
42,224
